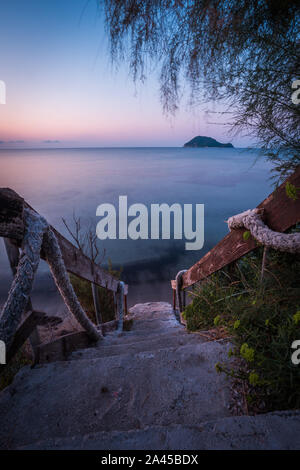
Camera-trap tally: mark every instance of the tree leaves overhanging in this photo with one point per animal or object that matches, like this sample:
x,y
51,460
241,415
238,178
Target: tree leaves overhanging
x,y
242,53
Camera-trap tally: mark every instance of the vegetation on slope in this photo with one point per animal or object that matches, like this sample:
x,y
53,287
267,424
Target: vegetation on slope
x,y
262,318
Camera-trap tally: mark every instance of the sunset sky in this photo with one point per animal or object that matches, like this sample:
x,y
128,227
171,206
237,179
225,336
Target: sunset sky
x,y
63,92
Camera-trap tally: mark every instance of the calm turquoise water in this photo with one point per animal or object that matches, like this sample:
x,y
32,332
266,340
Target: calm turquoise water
x,y
57,182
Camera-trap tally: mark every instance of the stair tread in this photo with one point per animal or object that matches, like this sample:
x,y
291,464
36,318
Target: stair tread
x,y
127,383
278,431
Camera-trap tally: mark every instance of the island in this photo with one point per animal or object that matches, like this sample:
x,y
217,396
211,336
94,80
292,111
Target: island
x,y
202,141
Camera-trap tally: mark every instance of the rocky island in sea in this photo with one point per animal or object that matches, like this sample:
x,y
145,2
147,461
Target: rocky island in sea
x,y
203,141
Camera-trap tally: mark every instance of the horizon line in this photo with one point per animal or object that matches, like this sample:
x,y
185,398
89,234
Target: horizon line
x,y
121,147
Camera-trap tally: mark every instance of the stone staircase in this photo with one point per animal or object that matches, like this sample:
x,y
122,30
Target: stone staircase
x,y
153,387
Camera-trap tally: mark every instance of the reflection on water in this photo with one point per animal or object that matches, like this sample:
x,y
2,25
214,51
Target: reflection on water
x,y
57,182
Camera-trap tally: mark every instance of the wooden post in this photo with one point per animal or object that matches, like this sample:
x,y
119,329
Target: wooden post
x,y
13,256
26,328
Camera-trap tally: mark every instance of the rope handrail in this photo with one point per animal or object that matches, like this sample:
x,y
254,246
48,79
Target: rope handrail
x,y
37,236
266,223
252,220
12,208
21,226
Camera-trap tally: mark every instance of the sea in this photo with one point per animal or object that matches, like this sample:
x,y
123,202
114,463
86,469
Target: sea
x,y
59,183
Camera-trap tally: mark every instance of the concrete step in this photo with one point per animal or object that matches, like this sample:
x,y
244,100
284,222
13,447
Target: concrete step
x,y
175,386
272,431
132,343
153,317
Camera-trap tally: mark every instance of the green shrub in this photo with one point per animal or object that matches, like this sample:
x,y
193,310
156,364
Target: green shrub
x,y
263,320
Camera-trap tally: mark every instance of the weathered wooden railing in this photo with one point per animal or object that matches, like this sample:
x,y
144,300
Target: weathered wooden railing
x,y
280,213
12,229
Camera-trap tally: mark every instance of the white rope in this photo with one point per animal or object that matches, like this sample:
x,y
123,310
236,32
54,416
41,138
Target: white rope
x,y
38,235
62,281
18,296
252,220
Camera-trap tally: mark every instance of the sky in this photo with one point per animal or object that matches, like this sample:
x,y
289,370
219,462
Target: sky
x,y
63,91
